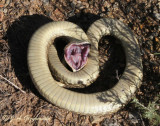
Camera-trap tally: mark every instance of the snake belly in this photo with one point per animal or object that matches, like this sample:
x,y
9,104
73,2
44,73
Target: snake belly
x,y
99,103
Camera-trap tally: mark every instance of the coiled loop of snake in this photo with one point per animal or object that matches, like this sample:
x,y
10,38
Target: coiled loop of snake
x,y
105,102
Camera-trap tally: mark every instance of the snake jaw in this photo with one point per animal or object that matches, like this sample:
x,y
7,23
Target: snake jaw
x,y
76,55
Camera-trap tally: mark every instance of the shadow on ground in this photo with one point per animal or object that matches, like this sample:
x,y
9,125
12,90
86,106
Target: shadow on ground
x,y
19,34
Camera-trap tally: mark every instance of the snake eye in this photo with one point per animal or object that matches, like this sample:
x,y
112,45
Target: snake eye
x,y
76,55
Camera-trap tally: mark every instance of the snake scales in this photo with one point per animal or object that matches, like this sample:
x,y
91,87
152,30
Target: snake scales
x,y
105,102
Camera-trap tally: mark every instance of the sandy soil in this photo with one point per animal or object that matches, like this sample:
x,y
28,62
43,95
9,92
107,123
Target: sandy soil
x,y
21,104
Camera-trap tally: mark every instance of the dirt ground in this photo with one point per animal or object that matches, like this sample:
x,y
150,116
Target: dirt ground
x,y
20,102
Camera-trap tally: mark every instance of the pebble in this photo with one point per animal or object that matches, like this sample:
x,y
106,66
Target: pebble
x,y
85,4
101,60
71,14
107,4
157,16
112,1
116,6
103,9
151,37
102,15
73,5
134,117
5,10
79,2
110,122
45,1
91,6
79,6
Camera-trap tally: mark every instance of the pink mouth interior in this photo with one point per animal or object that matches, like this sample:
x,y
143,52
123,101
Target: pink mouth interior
x,y
76,55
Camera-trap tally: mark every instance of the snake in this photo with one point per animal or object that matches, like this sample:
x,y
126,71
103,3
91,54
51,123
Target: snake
x,y
98,103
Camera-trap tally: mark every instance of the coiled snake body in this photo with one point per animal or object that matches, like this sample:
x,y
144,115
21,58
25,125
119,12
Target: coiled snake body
x,y
105,102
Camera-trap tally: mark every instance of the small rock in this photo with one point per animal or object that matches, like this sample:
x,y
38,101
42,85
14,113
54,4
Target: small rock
x,y
91,6
77,11
101,60
157,107
110,122
157,16
91,2
70,14
112,1
79,6
69,116
5,10
97,119
134,117
102,14
103,9
56,122
115,6
79,2
151,37
73,5
85,4
45,1
107,4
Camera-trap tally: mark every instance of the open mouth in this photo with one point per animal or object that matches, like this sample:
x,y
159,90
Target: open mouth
x,y
76,55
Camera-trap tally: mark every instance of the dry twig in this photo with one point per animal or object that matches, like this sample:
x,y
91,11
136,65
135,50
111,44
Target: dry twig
x,y
12,84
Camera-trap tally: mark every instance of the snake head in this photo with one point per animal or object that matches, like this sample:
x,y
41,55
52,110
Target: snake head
x,y
76,55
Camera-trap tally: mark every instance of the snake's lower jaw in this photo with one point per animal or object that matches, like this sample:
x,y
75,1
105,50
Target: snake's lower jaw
x,y
76,55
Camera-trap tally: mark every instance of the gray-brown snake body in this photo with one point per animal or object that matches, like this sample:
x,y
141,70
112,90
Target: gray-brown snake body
x,y
105,102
